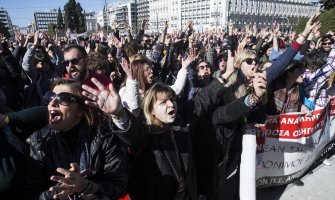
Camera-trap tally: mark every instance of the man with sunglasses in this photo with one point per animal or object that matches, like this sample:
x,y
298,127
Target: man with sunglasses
x,y
326,42
75,62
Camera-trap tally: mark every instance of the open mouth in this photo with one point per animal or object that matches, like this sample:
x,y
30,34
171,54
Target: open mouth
x,y
172,113
74,74
151,79
54,116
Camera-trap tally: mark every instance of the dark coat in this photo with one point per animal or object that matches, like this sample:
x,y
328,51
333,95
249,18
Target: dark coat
x,y
97,149
163,164
14,151
12,164
157,154
228,121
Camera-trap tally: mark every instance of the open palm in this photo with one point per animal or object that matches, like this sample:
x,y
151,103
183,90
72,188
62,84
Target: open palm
x,y
107,100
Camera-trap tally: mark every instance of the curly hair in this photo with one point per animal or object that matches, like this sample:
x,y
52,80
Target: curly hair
x,y
98,61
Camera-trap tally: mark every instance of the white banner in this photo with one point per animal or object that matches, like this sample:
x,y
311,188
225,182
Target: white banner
x,y
286,147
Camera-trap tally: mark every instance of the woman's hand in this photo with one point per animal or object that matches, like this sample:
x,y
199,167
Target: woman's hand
x,y
69,182
191,57
242,44
260,84
231,28
305,111
49,39
107,100
318,43
230,66
311,23
126,68
112,40
36,38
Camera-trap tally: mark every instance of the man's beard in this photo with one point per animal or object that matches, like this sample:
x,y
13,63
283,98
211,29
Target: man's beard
x,y
80,77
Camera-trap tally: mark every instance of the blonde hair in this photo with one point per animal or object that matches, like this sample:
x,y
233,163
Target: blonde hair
x,y
236,87
242,56
157,92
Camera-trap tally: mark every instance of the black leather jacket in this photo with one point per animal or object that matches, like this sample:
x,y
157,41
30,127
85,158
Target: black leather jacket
x,y
97,149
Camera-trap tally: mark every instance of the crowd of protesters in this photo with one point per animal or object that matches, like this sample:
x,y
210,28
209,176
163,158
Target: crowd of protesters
x,y
149,117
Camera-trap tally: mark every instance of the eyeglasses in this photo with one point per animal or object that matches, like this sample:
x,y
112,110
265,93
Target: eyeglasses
x,y
73,61
328,43
63,98
249,61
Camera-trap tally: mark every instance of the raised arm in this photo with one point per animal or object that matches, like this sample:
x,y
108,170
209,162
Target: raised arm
x,y
282,62
130,94
240,107
124,124
27,66
315,80
59,55
180,82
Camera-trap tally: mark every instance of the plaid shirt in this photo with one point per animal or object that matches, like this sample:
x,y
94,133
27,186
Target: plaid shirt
x,y
313,81
281,100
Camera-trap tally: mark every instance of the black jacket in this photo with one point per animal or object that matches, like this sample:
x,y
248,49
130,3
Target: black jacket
x,y
228,121
97,149
162,158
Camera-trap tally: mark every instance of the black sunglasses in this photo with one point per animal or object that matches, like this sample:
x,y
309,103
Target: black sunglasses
x,y
249,61
63,98
327,43
73,61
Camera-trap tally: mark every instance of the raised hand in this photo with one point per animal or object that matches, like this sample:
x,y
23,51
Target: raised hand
x,y
126,68
127,27
36,38
276,28
112,40
265,32
107,100
230,63
311,23
143,24
167,40
316,29
318,43
242,44
190,24
191,57
260,84
231,28
48,38
166,24
115,25
254,28
101,34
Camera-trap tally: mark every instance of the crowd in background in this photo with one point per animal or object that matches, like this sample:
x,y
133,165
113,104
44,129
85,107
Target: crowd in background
x,y
149,116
